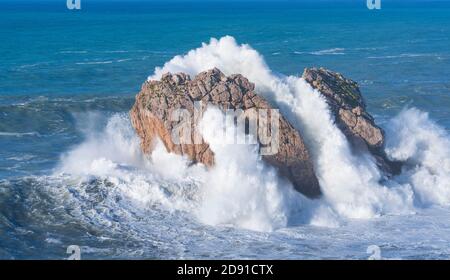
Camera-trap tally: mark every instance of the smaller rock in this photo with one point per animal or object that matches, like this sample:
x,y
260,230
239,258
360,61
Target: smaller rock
x,y
347,104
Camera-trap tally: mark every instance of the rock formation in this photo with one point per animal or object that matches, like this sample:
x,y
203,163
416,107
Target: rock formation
x,y
346,103
152,117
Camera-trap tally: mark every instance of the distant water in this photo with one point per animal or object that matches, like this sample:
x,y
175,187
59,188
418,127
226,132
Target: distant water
x,y
70,167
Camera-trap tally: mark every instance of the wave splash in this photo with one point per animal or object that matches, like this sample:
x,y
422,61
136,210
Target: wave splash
x,y
241,190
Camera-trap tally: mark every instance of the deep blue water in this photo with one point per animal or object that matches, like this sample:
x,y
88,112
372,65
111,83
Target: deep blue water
x,y
57,66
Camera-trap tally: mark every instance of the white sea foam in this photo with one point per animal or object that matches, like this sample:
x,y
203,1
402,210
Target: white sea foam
x,y
333,51
19,134
242,190
72,52
94,62
414,138
403,55
349,182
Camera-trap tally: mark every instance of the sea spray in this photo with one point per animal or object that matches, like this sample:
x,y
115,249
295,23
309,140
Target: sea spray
x,y
115,142
425,147
240,189
350,182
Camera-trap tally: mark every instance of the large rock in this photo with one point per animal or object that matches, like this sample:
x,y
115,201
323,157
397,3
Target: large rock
x,y
347,104
152,114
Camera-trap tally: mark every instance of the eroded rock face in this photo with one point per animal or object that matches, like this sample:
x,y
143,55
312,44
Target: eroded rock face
x,y
152,117
347,104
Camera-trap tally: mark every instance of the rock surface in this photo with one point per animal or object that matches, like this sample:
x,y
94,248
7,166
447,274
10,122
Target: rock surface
x,y
157,100
347,105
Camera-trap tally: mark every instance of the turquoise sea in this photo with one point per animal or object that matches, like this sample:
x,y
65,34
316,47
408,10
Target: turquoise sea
x,y
69,77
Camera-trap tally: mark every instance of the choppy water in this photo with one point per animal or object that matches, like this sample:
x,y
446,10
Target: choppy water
x,y
70,167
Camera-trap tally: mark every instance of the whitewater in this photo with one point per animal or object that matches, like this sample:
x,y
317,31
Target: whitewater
x,y
243,191
241,208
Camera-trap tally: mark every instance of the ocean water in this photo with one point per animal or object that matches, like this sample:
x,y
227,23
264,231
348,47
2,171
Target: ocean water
x,y
71,171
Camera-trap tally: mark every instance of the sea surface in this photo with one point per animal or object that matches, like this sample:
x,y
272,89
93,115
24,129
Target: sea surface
x,y
71,172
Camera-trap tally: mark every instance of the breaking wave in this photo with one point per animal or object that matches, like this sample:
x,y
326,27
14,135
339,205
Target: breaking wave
x,y
241,190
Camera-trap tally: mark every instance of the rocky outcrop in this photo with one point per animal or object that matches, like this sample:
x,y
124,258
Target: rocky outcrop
x,y
347,104
152,117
